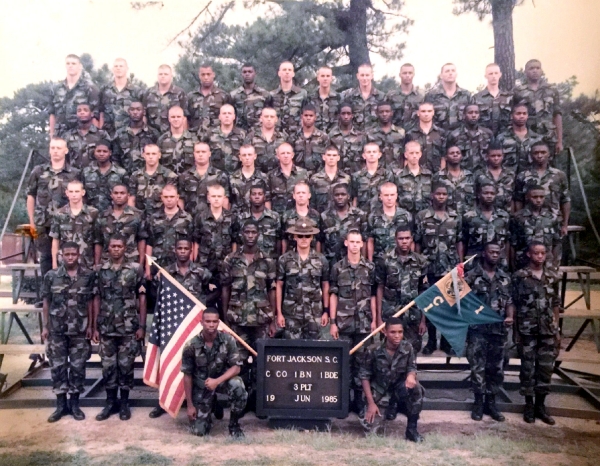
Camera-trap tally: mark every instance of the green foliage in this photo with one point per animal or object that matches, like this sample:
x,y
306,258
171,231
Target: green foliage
x,y
481,8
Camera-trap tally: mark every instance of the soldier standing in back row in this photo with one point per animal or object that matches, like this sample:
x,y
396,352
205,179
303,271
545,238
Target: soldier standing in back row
x,y
159,98
204,104
405,101
288,99
494,103
248,99
325,100
364,98
449,100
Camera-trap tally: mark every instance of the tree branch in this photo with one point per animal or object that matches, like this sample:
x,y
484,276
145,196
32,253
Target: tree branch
x,y
189,25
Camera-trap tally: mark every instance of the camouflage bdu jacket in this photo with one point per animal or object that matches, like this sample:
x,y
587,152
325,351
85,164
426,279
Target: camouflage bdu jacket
x,y
249,304
473,145
98,185
334,229
535,300
128,146
494,112
82,146
147,188
516,150
543,104
164,232
403,279
241,186
554,182
391,144
282,187
177,154
353,286
68,300
495,292
350,147
405,106
449,111
365,186
195,280
327,109
433,145
364,110
80,228
119,288
478,230
289,106
302,279
461,190
64,102
114,103
505,186
129,224
414,191
214,238
157,106
308,151
224,148
384,372
203,110
266,159
321,187
248,106
193,188
48,188
526,227
383,229
269,230
201,362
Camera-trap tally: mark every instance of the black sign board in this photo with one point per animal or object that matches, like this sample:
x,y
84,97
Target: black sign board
x,y
303,379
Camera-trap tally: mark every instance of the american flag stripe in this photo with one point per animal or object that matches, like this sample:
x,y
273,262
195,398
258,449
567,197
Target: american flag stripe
x,y
152,365
171,356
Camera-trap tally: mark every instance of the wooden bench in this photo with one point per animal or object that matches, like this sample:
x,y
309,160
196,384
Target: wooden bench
x,y
591,317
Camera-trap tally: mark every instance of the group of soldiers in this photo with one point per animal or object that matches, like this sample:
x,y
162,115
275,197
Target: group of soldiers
x,y
287,212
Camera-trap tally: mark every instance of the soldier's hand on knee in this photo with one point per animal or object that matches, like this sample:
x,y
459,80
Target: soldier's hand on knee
x,y
211,384
192,412
411,380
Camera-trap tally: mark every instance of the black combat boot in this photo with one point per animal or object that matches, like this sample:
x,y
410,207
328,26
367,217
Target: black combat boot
x,y
111,406
61,408
411,429
158,411
477,410
75,410
491,408
529,413
217,409
235,430
125,412
391,412
540,410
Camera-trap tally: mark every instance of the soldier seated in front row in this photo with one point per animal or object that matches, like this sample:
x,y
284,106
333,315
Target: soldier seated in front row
x,y
387,372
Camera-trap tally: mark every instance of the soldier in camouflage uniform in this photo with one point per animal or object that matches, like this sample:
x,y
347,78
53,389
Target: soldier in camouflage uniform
x,y
388,137
543,103
535,296
366,182
288,99
159,98
82,139
205,103
268,222
337,221
244,179
266,139
116,97
352,305
486,223
281,180
75,222
534,222
383,221
146,184
46,194
449,99
301,210
194,183
101,176
130,140
308,142
248,99
401,275
119,325
431,137
554,182
485,343
471,138
67,310
458,181
211,363
405,101
438,236
302,293
322,182
125,220
413,181
364,98
325,100
348,140
502,178
516,140
177,144
77,88
389,372
494,103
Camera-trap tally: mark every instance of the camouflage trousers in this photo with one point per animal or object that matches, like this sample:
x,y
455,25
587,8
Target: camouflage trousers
x,y
485,353
117,355
537,353
67,355
249,335
204,400
302,329
43,245
357,358
411,400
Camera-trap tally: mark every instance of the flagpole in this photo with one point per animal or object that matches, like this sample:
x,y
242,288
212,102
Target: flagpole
x,y
397,314
193,298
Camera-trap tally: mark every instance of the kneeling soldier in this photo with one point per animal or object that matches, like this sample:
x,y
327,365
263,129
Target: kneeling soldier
x,y
211,362
390,372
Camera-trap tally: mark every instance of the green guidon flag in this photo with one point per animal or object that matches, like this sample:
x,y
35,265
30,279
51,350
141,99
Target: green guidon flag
x,y
450,316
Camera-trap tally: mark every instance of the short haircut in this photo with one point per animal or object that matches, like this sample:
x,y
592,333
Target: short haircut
x,y
406,65
151,145
69,244
423,104
248,65
519,105
393,321
412,143
215,186
533,60
539,144
471,104
388,184
79,182
206,65
72,55
170,187
57,138
534,243
309,107
365,65
447,64
492,64
250,222
438,184
121,185
87,104
118,237
495,145
260,184
121,60
341,185
175,107
346,104
491,243
331,148
165,67
184,238
284,144
302,183
202,143
486,184
210,310
451,146
248,146
403,227
286,61
104,142
534,187
384,103
353,231
371,143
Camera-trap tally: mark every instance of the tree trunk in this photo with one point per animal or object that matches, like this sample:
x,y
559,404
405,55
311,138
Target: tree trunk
x,y
356,33
504,45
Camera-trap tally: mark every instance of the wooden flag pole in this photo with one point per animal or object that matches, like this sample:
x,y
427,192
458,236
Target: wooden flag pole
x,y
181,288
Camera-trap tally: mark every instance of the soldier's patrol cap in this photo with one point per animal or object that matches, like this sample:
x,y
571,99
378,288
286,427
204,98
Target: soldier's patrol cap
x,y
303,226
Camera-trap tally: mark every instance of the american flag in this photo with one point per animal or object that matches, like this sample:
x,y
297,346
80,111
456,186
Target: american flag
x,y
177,319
